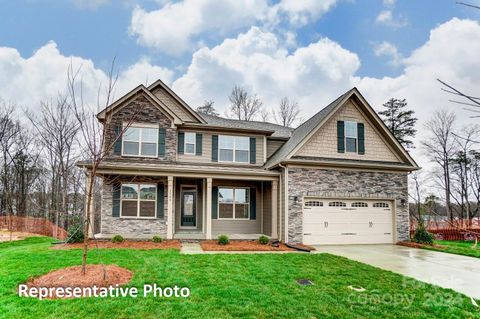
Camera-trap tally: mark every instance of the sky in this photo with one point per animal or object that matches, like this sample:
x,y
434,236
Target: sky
x,y
308,50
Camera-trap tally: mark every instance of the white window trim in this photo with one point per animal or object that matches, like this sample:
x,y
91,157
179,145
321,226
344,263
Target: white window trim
x,y
139,126
194,143
138,200
234,149
233,203
356,137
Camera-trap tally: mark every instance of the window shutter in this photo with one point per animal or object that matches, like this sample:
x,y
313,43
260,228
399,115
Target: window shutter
x,y
116,200
161,142
214,148
160,200
214,202
117,146
253,150
361,138
341,137
198,144
253,203
181,142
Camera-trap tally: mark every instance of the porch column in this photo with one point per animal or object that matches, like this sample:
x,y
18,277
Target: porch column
x,y
170,208
208,217
274,209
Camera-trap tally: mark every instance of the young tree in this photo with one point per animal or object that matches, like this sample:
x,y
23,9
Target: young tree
x,y
400,121
242,105
287,113
207,108
439,148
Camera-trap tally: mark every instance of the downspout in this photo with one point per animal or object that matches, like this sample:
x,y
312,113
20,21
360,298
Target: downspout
x,y
285,201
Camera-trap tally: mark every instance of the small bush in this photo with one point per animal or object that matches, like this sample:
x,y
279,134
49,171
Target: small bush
x,y
75,233
263,240
422,236
157,239
118,239
223,240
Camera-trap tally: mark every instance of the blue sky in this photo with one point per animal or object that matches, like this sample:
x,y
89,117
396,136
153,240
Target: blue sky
x,y
98,30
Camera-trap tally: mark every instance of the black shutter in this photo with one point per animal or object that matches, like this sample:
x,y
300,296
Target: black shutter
x,y
181,142
253,203
161,142
214,148
253,150
116,200
160,200
361,138
117,146
214,202
198,144
341,136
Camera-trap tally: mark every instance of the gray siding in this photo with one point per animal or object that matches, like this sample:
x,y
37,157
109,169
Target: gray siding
x,y
273,146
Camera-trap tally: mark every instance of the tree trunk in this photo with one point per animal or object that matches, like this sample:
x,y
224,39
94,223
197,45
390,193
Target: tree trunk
x,y
86,222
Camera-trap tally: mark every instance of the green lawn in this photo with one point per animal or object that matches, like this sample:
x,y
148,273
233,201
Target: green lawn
x,y
457,247
228,286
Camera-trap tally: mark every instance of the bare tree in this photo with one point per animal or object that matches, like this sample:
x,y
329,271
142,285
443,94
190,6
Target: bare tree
x,y
288,112
439,148
242,105
207,108
468,100
265,116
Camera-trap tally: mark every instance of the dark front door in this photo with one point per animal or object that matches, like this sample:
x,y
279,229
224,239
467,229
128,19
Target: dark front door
x,y
189,208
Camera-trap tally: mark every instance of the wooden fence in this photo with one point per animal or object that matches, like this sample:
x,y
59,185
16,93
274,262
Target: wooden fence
x,y
40,226
446,231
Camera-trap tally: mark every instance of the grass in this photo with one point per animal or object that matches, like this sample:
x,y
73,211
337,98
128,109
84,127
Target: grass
x,y
457,247
228,286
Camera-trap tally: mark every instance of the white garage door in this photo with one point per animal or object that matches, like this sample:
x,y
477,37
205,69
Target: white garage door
x,y
341,221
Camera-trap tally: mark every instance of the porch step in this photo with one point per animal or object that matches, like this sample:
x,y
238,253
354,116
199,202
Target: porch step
x,y
189,235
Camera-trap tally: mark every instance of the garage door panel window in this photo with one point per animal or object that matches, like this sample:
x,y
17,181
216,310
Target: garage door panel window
x,y
233,203
337,204
313,203
359,204
138,200
381,205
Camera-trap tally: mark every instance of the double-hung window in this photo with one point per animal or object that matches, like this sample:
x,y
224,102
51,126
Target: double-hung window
x,y
138,200
140,141
190,146
234,148
351,136
233,203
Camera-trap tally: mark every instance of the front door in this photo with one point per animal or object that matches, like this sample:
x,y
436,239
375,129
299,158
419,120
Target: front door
x,y
189,208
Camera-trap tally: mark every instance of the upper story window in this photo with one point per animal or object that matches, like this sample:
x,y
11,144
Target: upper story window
x,y
190,145
140,141
234,148
351,136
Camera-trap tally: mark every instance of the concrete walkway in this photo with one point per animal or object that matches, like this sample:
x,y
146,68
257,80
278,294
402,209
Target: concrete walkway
x,y
460,273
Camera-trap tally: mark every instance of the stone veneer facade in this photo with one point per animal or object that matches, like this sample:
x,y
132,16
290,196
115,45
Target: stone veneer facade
x,y
130,227
345,183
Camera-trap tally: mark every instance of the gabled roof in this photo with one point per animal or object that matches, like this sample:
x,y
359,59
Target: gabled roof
x,y
160,83
275,129
141,89
303,133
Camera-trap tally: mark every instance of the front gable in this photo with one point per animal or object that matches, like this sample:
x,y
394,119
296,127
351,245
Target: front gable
x,y
324,142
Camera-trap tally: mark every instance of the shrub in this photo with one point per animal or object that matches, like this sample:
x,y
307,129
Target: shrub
x,y
263,240
223,240
75,233
117,239
422,236
157,239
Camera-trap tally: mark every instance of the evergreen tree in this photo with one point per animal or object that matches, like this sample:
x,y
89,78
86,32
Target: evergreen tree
x,y
400,122
207,108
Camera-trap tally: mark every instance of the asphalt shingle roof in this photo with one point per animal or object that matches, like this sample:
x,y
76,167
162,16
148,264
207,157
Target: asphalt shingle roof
x,y
278,130
303,130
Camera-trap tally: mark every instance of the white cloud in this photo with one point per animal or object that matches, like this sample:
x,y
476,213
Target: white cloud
x,y
389,3
313,75
388,49
176,26
27,81
90,4
386,17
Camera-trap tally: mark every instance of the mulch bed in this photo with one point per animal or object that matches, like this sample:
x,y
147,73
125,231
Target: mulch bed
x,y
96,275
411,244
244,245
128,244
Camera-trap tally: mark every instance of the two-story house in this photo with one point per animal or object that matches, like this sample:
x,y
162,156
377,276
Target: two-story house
x,y
340,177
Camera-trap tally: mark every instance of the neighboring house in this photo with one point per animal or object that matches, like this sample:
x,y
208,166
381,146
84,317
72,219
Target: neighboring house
x,y
340,177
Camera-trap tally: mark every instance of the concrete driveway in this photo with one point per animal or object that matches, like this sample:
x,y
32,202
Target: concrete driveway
x,y
460,273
